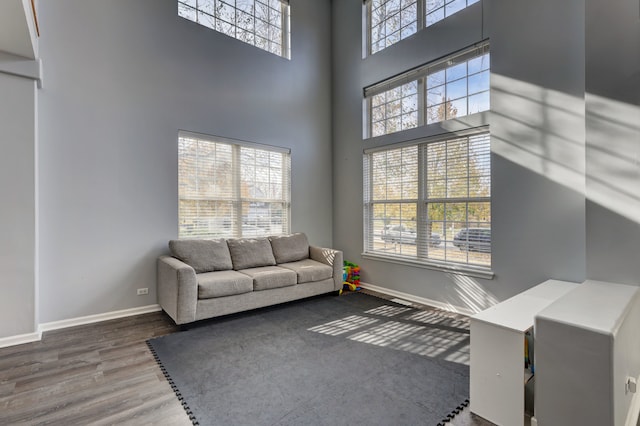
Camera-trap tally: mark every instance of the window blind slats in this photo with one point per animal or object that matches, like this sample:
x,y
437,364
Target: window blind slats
x,y
418,198
231,190
469,54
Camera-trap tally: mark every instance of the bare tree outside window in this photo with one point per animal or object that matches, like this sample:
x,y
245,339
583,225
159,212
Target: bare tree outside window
x,y
261,23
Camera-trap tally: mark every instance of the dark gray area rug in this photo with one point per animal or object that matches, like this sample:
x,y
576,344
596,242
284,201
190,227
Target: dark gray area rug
x,y
349,360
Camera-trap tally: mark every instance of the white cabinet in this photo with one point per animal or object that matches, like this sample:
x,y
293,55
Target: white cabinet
x,y
588,357
497,352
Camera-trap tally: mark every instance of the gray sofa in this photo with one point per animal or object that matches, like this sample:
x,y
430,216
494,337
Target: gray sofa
x,y
209,278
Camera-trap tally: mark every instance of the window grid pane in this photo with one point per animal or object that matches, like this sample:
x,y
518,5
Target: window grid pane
x,y
462,94
454,87
437,10
395,110
389,21
261,23
229,190
455,224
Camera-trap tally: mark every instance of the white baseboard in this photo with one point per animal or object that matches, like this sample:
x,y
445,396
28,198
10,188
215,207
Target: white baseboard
x,y
417,299
20,339
90,319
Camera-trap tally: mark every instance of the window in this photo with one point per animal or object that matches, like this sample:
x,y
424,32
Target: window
x,y
437,10
452,87
430,202
389,21
229,188
261,23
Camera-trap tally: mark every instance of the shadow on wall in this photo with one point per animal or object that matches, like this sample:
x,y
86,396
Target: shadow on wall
x,y
612,149
468,290
539,129
613,155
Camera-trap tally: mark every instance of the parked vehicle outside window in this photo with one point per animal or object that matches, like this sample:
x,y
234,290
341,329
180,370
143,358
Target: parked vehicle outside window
x,y
473,239
398,234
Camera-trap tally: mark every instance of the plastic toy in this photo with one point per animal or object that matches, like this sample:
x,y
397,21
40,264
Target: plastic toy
x,y
351,276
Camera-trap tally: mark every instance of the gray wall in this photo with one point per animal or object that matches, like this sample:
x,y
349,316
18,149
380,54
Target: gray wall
x,y
121,78
537,126
18,205
613,140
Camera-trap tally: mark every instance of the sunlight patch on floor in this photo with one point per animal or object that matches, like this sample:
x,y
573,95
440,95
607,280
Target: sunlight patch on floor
x,y
344,325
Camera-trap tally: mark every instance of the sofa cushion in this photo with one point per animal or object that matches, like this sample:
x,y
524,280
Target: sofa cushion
x,y
290,248
202,255
308,270
222,283
267,277
250,253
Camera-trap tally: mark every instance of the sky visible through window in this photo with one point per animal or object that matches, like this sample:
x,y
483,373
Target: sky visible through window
x,y
261,23
390,21
454,91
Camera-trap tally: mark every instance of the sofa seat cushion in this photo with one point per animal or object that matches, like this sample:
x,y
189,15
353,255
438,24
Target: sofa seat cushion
x,y
267,277
290,248
202,255
222,283
249,253
309,270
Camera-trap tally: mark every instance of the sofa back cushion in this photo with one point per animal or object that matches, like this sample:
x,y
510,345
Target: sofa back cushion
x,y
290,248
250,253
202,255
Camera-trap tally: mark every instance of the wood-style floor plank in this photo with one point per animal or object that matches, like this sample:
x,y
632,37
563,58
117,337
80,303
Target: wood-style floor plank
x,y
100,373
104,374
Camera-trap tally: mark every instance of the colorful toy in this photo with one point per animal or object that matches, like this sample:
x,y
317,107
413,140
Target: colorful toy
x,y
351,276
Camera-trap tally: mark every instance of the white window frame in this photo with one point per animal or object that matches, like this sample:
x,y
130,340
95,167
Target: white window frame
x,y
236,222
420,77
427,13
207,13
420,248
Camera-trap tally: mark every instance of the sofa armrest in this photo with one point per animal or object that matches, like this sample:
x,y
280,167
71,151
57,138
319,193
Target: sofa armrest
x,y
177,289
331,257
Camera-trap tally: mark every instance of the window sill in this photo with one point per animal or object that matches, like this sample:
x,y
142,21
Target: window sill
x,y
471,271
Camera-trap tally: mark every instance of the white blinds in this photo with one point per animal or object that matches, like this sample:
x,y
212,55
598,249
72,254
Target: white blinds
x,y
430,68
418,198
228,189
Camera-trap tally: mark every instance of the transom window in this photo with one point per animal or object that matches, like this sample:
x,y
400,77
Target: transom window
x,y
453,87
437,10
261,23
389,21
229,188
430,202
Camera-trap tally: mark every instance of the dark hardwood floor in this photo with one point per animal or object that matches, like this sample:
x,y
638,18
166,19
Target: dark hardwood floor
x,y
94,374
99,374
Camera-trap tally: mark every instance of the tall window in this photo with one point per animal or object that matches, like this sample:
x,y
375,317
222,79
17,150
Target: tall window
x,y
261,23
430,202
228,188
389,21
452,87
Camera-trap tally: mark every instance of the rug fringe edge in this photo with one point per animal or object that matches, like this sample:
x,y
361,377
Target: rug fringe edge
x,y
175,389
454,412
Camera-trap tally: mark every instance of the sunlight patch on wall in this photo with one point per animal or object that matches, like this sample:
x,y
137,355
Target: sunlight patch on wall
x,y
474,296
540,129
613,155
